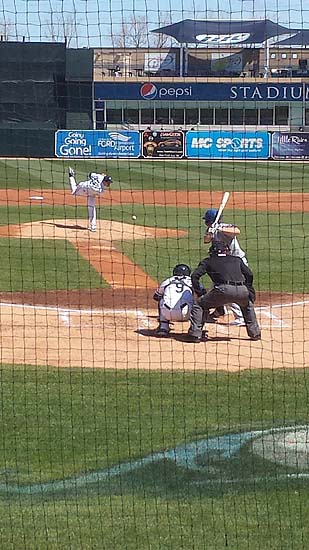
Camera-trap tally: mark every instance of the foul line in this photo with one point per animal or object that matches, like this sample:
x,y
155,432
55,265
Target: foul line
x,y
304,302
65,311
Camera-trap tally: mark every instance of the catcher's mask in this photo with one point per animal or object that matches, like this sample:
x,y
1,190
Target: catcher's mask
x,y
210,216
219,249
182,270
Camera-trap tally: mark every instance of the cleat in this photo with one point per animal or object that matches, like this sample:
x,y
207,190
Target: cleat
x,y
71,172
194,339
256,338
92,228
162,332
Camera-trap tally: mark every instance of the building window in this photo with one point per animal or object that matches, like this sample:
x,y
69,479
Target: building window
x,y
294,55
147,116
266,117
237,117
162,116
283,56
131,116
114,115
191,116
207,116
177,117
282,115
99,104
251,117
221,116
99,115
273,56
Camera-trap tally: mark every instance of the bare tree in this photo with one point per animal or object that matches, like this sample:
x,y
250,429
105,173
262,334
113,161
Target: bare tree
x,y
162,40
61,27
6,30
135,33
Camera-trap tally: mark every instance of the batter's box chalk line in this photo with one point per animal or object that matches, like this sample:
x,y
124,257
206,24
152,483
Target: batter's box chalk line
x,y
66,314
278,322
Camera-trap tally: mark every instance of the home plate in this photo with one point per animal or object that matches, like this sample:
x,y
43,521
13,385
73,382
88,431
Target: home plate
x,y
36,198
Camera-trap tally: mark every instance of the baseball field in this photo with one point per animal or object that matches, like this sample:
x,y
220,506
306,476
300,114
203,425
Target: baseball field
x,y
115,439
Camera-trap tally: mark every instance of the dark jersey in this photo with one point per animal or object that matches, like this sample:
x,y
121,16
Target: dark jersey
x,y
221,270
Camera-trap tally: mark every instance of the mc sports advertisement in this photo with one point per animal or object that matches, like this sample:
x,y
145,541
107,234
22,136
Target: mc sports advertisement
x,y
230,145
290,145
97,144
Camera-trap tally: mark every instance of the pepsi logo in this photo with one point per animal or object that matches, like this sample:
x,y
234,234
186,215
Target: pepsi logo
x,y
148,91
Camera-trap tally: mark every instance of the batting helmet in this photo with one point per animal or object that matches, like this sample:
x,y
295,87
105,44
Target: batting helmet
x,y
182,270
210,216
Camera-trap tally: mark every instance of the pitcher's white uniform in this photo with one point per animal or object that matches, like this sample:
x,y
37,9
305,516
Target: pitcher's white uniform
x,y
90,188
176,300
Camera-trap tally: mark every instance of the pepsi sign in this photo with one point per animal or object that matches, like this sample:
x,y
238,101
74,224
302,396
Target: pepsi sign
x,y
151,91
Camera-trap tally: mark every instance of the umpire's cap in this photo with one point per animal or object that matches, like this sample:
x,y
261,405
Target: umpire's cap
x,y
219,249
210,216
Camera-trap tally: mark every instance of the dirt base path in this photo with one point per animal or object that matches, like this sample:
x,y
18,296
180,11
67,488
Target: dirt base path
x,y
262,201
113,328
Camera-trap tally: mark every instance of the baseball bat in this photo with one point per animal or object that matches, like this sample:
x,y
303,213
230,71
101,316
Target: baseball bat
x,y
225,198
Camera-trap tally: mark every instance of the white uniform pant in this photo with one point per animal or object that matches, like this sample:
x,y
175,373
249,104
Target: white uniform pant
x,y
167,315
84,188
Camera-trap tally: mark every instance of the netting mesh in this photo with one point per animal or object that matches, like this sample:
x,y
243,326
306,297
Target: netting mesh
x,y
154,285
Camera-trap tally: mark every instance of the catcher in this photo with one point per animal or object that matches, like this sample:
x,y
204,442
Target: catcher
x,y
90,188
175,299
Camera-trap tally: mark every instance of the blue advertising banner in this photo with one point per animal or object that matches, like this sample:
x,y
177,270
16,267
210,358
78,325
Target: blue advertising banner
x,y
197,91
227,144
290,145
97,144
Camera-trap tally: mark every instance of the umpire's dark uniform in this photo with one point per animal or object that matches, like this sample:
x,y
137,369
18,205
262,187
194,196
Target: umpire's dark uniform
x,y
232,283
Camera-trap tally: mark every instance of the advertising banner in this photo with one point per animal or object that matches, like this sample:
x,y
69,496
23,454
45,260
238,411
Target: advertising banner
x,y
198,91
97,144
290,145
227,144
163,144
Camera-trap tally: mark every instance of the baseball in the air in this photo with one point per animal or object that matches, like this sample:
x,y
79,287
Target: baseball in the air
x,y
133,217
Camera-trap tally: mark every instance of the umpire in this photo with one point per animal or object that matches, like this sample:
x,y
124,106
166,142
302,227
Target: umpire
x,y
232,283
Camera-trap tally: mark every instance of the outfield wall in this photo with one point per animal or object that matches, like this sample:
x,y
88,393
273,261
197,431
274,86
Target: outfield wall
x,y
178,144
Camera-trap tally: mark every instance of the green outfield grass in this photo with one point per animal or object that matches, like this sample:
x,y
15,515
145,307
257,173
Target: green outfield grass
x,y
148,174
61,423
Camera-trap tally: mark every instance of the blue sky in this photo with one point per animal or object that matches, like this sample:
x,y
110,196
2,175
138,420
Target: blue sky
x,y
97,21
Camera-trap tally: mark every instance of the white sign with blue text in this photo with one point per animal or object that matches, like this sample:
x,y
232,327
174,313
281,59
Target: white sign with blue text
x,y
97,144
